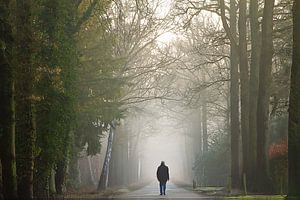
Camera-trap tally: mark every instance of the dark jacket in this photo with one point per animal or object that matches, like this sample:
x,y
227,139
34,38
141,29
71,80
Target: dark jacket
x,y
162,173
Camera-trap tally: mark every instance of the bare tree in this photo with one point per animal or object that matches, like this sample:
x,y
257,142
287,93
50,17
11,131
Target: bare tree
x,y
253,93
265,67
234,102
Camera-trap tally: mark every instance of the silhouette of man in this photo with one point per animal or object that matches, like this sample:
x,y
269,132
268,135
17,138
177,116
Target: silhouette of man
x,y
162,176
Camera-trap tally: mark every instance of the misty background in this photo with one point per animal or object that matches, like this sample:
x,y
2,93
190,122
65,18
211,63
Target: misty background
x,y
96,93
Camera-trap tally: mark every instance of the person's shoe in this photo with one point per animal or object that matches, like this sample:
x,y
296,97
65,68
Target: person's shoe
x,y
160,193
164,193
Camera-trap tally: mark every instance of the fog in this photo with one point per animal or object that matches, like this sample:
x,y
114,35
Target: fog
x,y
175,103
96,94
167,145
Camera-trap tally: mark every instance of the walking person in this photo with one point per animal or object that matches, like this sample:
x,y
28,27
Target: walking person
x,y
162,176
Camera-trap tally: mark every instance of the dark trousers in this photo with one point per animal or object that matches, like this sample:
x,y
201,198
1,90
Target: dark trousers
x,y
162,187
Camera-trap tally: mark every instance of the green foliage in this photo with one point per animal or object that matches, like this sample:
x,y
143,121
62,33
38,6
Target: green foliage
x,y
100,83
278,128
279,174
212,168
55,85
278,153
278,169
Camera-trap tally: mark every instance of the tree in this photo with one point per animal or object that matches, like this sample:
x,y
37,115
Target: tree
x,y
127,41
118,176
243,62
101,83
265,67
253,88
103,181
7,106
294,110
25,78
58,61
231,33
234,102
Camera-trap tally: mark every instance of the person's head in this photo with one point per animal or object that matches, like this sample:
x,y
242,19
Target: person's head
x,y
162,163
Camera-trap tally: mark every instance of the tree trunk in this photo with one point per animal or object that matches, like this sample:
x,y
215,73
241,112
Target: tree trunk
x,y
264,96
204,123
75,175
294,111
139,169
1,183
7,106
52,186
205,135
91,174
133,164
74,172
119,171
234,102
114,178
125,160
200,134
26,129
42,183
254,73
103,182
197,138
60,176
244,82
62,165
133,153
188,155
117,176
133,156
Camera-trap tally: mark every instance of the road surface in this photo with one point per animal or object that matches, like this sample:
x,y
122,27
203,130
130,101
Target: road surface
x,y
151,191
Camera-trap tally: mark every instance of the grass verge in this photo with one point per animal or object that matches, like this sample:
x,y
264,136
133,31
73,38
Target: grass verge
x,y
258,197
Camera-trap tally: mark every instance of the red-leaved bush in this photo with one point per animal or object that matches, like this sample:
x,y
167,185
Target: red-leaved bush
x,y
278,165
278,149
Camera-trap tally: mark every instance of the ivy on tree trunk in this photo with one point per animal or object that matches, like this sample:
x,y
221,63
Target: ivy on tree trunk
x,y
26,128
7,105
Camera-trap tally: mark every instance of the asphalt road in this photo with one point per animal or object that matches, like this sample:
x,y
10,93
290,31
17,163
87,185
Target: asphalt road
x,y
151,191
